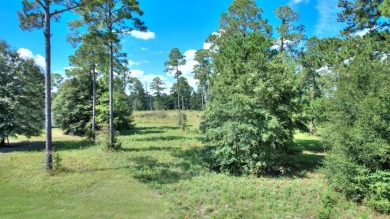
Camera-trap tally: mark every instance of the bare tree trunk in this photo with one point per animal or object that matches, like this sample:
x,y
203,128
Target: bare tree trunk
x,y
47,33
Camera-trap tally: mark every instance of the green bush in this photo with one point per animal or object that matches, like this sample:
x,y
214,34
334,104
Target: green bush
x,y
358,134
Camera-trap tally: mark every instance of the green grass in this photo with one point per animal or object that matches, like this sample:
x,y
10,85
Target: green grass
x,y
160,174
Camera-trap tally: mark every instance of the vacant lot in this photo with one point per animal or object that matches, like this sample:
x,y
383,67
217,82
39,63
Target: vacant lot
x,y
159,174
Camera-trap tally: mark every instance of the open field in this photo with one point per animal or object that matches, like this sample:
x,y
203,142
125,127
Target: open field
x,y
159,174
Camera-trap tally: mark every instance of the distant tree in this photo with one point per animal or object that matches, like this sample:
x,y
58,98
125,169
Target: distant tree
x,y
176,59
37,15
202,71
109,19
157,86
21,99
290,34
137,94
196,100
185,91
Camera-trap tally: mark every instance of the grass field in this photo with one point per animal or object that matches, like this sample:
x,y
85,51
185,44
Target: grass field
x,y
160,174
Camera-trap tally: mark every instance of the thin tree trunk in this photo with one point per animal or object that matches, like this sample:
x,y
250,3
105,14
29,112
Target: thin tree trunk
x,y
182,103
47,33
178,95
93,101
2,142
111,96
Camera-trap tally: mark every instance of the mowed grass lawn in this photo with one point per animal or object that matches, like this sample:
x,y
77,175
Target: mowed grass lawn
x,y
160,174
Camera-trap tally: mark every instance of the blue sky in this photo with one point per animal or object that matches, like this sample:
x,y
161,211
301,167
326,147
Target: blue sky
x,y
183,24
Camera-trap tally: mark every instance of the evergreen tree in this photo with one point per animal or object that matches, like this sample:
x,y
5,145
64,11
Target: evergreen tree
x,y
73,105
109,19
202,71
137,94
38,15
157,86
249,122
290,35
176,59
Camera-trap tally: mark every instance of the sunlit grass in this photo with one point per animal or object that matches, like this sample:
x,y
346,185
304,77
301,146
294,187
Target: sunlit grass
x,y
160,174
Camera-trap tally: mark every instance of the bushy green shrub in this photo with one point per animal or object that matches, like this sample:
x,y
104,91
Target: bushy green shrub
x,y
358,133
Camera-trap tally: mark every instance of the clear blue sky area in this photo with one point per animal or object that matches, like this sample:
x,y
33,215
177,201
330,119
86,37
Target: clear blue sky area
x,y
183,24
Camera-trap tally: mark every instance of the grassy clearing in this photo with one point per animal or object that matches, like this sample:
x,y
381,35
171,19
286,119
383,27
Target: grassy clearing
x,y
160,174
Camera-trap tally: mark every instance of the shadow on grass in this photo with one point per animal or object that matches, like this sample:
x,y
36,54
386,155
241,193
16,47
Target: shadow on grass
x,y
132,149
310,145
161,138
141,130
308,158
149,170
36,146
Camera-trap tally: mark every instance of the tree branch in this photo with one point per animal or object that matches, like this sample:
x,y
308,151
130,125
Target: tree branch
x,y
40,3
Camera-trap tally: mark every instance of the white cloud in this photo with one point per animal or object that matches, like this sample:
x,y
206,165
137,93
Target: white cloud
x,y
207,45
295,2
143,35
143,49
137,73
28,54
327,24
134,63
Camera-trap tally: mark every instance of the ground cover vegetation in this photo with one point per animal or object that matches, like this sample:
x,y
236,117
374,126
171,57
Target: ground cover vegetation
x,y
290,127
160,172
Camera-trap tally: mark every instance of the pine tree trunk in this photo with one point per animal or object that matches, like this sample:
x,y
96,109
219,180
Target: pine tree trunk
x,y
47,33
93,101
178,97
111,108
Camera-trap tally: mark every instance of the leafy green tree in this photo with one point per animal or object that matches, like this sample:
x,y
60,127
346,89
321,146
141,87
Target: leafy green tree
x,y
123,118
109,19
21,99
37,15
73,105
249,123
384,8
176,59
357,133
157,86
290,34
357,113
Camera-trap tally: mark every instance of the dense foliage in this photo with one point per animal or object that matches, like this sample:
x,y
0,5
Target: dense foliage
x,y
249,122
21,95
72,106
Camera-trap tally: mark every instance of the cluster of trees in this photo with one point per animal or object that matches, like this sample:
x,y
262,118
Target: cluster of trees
x,y
258,87
261,88
152,97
